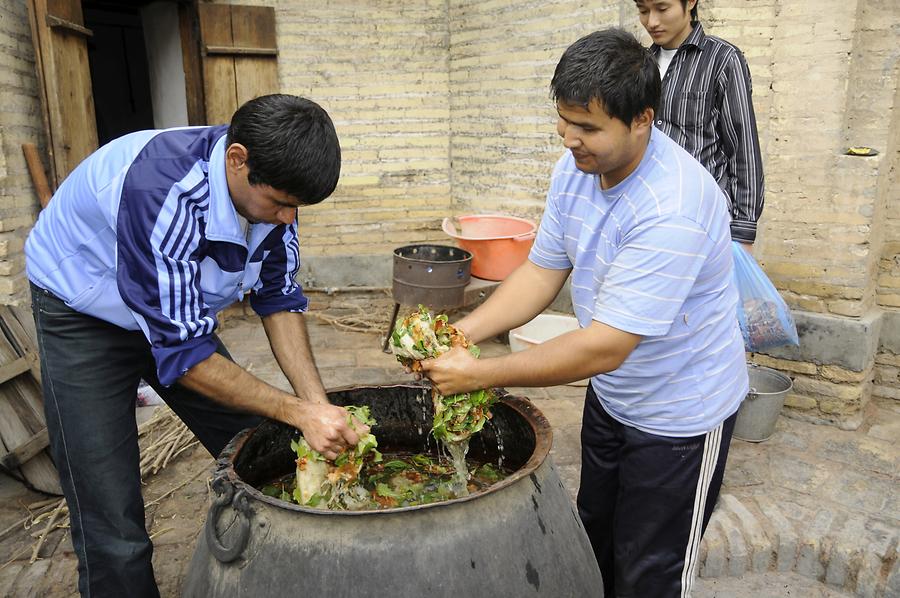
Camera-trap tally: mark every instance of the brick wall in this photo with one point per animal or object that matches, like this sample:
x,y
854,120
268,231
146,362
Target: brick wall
x,y
503,123
380,69
20,122
887,361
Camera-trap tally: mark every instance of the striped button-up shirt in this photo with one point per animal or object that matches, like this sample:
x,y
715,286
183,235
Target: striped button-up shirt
x,y
706,108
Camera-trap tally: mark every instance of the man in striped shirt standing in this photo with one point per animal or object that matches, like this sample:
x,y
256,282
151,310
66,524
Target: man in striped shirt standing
x,y
706,106
644,231
139,248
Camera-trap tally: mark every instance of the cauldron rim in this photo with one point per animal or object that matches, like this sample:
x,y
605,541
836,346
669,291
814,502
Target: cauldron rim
x,y
467,255
540,426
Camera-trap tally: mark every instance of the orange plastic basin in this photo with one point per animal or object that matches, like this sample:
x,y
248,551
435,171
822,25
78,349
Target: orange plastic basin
x,y
498,244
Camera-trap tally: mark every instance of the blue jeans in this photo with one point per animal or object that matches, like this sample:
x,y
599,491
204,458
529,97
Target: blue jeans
x,y
90,372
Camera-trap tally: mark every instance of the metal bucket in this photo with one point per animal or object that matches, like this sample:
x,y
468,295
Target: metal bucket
x,y
433,275
520,537
759,411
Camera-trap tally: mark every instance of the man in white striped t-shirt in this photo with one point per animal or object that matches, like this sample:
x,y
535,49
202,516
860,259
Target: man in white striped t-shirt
x,y
644,231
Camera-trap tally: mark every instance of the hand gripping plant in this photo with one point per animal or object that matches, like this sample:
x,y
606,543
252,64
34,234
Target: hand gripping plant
x,y
421,336
335,484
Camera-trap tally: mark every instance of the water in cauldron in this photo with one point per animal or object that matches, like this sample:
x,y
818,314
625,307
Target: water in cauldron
x,y
399,480
266,460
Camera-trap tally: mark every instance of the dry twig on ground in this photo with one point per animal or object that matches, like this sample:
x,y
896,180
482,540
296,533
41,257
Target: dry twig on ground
x,y
370,317
161,438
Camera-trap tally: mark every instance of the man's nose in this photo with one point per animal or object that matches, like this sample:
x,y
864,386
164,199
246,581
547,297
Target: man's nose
x,y
653,20
570,139
287,215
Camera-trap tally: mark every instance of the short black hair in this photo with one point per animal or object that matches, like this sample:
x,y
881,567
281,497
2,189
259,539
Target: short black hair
x,y
291,146
694,17
610,66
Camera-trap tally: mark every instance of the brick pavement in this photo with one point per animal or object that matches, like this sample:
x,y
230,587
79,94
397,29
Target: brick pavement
x,y
812,503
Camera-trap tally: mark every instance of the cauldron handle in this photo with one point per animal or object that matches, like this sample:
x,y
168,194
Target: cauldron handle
x,y
242,507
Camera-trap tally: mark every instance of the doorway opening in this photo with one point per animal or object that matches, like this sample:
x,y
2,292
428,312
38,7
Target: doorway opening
x,y
137,72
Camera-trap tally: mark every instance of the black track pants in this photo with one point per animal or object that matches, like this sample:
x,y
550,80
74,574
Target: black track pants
x,y
645,501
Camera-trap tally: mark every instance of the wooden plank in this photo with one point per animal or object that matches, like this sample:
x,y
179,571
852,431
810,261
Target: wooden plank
x,y
22,396
67,10
239,51
255,77
56,22
20,330
17,324
38,176
76,129
42,91
67,85
25,451
21,407
19,423
38,470
189,25
219,86
13,369
254,27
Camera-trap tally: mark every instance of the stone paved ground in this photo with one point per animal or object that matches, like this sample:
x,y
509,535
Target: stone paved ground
x,y
814,511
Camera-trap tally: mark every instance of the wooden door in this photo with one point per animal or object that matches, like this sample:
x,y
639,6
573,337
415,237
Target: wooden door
x,y
60,41
239,57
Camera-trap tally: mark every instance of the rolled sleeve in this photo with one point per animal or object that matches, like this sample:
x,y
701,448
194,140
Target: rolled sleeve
x,y
277,289
172,362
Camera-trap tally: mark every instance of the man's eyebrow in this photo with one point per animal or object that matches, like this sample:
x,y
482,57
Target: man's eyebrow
x,y
286,203
582,124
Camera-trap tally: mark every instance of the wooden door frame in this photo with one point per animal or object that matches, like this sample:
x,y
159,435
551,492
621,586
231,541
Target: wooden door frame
x,y
189,23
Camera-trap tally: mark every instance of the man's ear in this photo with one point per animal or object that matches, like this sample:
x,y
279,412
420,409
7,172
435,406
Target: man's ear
x,y
235,156
644,120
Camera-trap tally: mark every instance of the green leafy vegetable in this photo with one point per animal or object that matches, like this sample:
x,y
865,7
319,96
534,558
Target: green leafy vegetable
x,y
333,484
421,336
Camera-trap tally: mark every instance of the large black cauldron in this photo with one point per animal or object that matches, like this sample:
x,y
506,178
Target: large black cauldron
x,y
520,537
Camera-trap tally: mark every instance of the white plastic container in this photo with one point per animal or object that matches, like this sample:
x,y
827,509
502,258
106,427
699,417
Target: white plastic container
x,y
541,329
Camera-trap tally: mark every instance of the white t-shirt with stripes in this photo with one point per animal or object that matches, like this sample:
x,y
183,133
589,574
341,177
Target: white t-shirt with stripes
x,y
652,256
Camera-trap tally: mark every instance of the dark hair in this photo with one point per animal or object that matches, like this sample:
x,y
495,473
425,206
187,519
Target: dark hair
x,y
291,146
694,17
610,66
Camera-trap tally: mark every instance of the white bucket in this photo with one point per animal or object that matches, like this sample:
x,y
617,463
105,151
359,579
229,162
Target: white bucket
x,y
759,412
541,329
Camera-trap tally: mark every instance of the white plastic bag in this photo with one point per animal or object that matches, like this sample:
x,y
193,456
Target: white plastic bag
x,y
764,317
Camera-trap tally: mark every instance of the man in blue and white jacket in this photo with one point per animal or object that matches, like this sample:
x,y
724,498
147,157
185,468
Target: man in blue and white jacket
x,y
139,248
643,229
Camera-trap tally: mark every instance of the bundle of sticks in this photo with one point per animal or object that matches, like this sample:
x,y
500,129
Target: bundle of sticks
x,y
370,317
161,439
